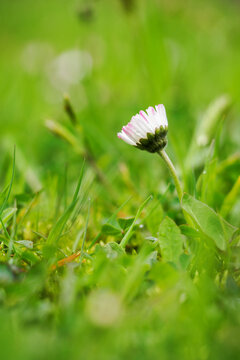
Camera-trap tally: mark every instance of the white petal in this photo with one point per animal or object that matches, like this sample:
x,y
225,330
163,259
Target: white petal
x,y
144,117
125,138
162,113
139,127
149,118
153,118
143,123
129,131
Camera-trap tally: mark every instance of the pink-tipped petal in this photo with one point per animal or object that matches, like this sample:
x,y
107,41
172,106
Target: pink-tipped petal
x,y
162,114
144,116
152,110
139,127
144,123
130,133
125,138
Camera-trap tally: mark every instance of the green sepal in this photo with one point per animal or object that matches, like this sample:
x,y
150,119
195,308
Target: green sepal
x,y
154,142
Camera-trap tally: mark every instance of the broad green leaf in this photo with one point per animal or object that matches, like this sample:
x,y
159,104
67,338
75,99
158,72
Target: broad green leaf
x,y
208,221
171,240
125,223
111,227
155,217
7,214
116,226
189,231
108,229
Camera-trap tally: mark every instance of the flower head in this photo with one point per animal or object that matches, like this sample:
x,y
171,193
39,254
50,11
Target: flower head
x,y
147,130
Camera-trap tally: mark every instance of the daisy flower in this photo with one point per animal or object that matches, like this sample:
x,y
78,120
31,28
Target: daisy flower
x,y
147,130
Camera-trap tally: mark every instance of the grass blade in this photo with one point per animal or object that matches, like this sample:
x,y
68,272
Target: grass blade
x,y
10,186
57,229
128,234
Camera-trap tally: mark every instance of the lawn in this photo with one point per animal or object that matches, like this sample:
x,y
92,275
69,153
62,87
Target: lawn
x,y
101,255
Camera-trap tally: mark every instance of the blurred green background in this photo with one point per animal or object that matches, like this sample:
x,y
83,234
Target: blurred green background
x,y
113,58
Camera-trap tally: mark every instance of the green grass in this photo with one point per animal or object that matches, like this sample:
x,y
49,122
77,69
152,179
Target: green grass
x,y
98,259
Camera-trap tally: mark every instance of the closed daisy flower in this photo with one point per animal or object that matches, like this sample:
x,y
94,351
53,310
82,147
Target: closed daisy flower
x,y
147,130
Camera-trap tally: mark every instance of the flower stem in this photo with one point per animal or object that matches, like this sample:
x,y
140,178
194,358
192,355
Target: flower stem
x,y
172,170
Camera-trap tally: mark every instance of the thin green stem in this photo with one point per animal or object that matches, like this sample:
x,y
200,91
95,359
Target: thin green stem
x,y
129,233
172,170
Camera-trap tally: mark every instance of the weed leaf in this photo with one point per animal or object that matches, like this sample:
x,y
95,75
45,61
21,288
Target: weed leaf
x,y
208,221
171,240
